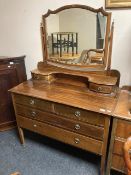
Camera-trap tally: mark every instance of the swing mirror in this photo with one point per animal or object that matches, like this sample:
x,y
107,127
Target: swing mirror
x,y
76,35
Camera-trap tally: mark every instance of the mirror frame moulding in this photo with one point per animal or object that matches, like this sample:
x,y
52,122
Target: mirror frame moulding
x,y
107,44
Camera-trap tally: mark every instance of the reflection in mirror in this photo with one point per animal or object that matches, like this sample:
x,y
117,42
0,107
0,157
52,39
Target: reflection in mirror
x,y
76,36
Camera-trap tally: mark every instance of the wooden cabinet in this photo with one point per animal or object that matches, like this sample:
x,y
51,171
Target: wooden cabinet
x,y
12,72
121,130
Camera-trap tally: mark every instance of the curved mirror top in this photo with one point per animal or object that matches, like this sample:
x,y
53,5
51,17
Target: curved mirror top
x,y
76,36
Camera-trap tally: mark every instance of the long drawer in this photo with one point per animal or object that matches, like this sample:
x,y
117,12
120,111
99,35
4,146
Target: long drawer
x,y
63,122
61,135
79,114
118,163
118,146
33,102
123,129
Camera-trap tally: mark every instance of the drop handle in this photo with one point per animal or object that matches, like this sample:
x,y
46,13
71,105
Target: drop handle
x,y
77,140
99,88
77,127
32,102
77,114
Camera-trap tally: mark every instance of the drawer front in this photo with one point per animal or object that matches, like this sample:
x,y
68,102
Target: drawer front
x,y
71,138
123,129
100,88
69,124
33,102
118,147
118,163
79,114
7,66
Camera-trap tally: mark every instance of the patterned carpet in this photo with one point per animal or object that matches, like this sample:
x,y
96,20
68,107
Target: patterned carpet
x,y
43,156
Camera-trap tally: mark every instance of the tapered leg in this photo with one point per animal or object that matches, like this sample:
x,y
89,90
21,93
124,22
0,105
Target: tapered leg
x,y
104,147
109,161
103,160
21,134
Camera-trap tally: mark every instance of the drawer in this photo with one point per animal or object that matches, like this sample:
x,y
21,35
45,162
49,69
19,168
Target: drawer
x,y
118,163
69,124
7,66
118,147
123,129
60,134
33,102
101,88
79,114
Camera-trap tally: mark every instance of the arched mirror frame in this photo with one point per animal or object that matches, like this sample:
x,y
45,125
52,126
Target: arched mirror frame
x,y
108,40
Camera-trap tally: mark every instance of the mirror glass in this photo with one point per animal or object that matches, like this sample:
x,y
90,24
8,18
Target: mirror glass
x,y
76,36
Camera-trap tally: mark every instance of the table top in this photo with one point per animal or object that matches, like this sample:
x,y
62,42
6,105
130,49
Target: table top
x,y
68,95
122,107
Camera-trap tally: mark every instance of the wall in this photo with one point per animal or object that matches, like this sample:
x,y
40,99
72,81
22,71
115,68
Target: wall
x,y
20,34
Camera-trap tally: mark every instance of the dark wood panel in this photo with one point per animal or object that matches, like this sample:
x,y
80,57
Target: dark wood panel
x,y
10,76
61,135
8,79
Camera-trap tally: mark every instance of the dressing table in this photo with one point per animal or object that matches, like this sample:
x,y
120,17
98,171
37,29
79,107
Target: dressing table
x,y
72,99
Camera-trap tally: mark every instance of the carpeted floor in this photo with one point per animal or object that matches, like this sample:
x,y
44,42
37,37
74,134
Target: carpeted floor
x,y
43,156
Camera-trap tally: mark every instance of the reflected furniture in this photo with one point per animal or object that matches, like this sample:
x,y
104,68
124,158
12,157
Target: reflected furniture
x,y
64,40
127,155
12,72
121,130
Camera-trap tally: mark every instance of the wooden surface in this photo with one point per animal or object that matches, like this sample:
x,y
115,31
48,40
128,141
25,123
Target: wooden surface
x,y
122,108
74,97
12,72
121,130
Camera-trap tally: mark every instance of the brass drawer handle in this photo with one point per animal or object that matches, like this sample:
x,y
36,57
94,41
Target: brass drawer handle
x,y
77,140
32,102
35,125
99,89
33,113
37,77
77,127
77,114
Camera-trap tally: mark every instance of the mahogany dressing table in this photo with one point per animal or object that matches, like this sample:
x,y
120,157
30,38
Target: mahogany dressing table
x,y
72,101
